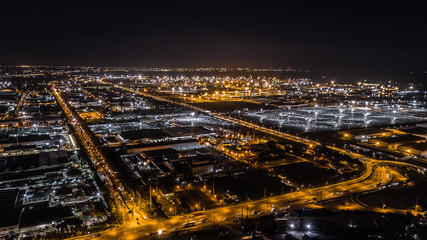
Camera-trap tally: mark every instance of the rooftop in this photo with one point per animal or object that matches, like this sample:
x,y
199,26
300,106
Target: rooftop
x,y
400,139
422,146
415,130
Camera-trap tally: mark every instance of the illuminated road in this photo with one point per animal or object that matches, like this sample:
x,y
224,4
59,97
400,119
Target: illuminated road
x,y
377,174
230,119
115,188
20,102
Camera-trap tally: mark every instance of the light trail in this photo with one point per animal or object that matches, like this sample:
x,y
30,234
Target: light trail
x,y
374,175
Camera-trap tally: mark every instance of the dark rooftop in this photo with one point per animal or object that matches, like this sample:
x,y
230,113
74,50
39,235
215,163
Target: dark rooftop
x,y
9,216
400,139
415,130
161,154
365,131
422,146
159,143
162,133
34,217
30,138
8,197
141,134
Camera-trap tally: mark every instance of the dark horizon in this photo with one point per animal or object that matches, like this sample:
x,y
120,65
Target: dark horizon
x,y
345,41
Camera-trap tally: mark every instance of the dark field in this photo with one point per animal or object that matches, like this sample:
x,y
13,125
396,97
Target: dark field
x,y
304,173
250,184
403,197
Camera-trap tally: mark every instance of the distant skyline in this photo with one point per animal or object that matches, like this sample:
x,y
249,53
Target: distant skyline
x,y
344,40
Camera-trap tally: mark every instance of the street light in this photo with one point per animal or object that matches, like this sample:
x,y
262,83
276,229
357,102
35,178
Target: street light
x,y
159,232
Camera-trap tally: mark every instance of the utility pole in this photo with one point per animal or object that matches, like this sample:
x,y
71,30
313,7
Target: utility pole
x,y
346,203
253,136
416,203
157,184
320,198
383,202
150,196
247,211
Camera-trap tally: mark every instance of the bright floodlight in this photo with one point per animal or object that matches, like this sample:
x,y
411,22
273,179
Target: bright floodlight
x,y
160,231
308,226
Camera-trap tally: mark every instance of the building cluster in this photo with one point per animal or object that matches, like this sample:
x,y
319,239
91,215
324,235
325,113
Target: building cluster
x,y
86,146
8,102
45,185
404,141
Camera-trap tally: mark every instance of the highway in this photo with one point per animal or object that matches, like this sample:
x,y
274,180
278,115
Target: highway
x,y
377,175
230,119
20,102
114,186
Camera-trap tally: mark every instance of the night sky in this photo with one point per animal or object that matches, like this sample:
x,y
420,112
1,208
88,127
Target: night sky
x,y
343,40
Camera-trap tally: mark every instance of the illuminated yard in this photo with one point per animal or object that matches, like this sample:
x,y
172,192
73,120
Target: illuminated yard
x,y
312,119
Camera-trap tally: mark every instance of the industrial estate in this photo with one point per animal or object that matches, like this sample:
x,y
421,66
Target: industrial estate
x,y
209,153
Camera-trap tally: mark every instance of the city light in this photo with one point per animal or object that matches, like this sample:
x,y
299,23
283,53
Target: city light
x,y
213,121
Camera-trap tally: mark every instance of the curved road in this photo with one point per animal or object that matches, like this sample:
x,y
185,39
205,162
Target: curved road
x,y
138,226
